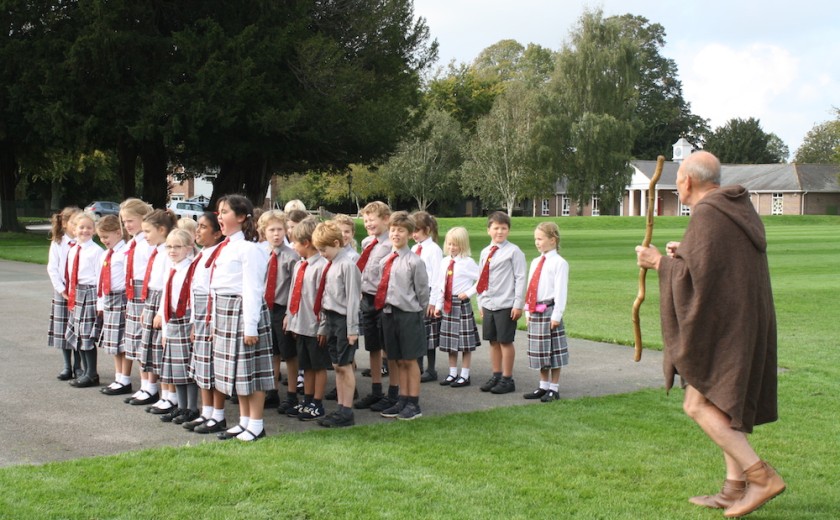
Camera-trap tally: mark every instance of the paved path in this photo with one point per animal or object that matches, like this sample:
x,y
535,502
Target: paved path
x,y
43,419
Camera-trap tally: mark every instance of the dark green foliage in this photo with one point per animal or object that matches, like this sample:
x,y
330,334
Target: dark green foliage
x,y
742,141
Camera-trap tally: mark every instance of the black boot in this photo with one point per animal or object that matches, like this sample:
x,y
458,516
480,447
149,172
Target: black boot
x,y
67,373
78,370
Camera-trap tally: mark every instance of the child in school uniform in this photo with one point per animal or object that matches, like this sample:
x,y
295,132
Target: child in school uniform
x,y
111,300
348,232
137,251
156,226
174,318
61,240
281,264
425,237
337,308
545,303
453,290
375,247
241,321
82,332
403,297
208,235
500,286
303,323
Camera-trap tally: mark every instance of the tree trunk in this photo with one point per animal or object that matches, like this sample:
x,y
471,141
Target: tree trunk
x,y
127,165
8,183
228,181
249,177
155,185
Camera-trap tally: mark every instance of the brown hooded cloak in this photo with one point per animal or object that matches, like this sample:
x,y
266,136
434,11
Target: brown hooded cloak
x,y
718,319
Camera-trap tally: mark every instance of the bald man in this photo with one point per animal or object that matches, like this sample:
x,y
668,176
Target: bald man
x,y
719,328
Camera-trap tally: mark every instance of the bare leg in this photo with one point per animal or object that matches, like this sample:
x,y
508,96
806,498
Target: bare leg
x,y
508,354
496,356
409,377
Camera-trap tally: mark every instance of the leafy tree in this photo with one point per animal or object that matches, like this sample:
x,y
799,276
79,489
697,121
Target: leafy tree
x,y
425,164
501,164
463,94
821,144
742,141
588,132
509,60
777,147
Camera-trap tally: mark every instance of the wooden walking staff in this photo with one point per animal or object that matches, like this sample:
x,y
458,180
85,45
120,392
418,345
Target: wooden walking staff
x,y
640,297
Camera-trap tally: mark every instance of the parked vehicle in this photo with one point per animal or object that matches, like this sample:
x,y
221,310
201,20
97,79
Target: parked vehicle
x,y
100,208
183,208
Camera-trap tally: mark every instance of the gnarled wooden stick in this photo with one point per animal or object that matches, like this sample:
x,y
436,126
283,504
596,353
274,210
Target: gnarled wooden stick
x,y
640,297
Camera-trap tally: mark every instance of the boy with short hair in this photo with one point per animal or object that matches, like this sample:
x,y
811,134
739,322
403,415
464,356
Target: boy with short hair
x,y
375,247
301,321
348,230
281,264
403,297
337,307
500,287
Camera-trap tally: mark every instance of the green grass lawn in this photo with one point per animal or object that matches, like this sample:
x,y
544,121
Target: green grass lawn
x,y
627,456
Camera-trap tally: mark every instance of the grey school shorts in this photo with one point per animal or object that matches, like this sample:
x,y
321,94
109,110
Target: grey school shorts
x,y
282,342
405,334
497,326
341,352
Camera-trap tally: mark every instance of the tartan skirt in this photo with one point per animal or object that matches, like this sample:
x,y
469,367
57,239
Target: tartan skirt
x,y
432,325
83,328
201,363
113,323
458,332
133,325
58,323
546,348
177,351
244,368
150,353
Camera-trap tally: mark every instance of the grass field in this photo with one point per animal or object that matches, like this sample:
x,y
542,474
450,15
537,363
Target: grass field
x,y
627,456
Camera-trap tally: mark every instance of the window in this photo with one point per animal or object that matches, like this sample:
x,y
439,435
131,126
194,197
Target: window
x,y
545,207
778,204
566,206
685,211
176,196
596,206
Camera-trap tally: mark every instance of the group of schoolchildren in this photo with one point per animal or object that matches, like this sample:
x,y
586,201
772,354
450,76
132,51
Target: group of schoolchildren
x,y
210,309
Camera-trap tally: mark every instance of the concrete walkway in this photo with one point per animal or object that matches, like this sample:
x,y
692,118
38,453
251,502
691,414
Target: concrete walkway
x,y
43,419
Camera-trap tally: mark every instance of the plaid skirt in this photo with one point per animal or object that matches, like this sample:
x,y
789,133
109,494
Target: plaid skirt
x,y
432,331
58,323
458,332
546,348
83,327
133,325
201,363
150,353
177,351
113,323
244,368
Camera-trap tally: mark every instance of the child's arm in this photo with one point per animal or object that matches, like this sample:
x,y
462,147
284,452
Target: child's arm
x,y
520,270
54,267
561,284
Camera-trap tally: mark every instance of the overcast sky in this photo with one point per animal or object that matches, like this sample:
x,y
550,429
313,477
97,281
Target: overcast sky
x,y
778,61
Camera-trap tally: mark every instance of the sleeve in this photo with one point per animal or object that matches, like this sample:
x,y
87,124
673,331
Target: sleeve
x,y
520,267
353,294
474,288
470,270
54,267
438,286
561,285
100,301
254,266
421,283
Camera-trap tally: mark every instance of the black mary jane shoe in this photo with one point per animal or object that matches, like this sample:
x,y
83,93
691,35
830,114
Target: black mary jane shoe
x,y
227,434
120,390
253,438
65,375
187,416
141,400
85,382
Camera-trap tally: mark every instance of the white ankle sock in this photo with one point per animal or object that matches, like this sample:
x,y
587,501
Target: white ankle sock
x,y
243,422
465,373
255,426
207,412
124,379
453,371
544,385
152,388
554,386
218,414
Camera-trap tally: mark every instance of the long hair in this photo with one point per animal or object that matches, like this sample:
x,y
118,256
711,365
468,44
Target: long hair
x,y
242,207
551,230
162,218
111,224
426,222
59,221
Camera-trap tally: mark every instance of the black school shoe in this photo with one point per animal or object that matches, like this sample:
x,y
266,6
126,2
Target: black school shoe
x,y
85,382
121,390
367,401
505,386
460,382
187,416
536,394
171,415
211,426
493,381
192,425
140,401
65,375
550,396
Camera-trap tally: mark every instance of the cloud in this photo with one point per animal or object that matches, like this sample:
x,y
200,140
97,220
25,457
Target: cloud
x,y
724,82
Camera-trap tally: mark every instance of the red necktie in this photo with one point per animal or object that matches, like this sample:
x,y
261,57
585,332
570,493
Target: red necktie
x,y
419,250
167,299
186,289
484,279
105,275
294,303
363,260
145,292
531,295
320,296
382,290
211,264
74,278
271,281
67,262
447,291
129,271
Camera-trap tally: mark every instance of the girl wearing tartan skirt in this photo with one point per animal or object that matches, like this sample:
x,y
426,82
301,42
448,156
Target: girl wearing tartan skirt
x,y
545,302
110,303
132,212
62,239
425,236
82,331
453,290
156,226
208,236
174,317
241,321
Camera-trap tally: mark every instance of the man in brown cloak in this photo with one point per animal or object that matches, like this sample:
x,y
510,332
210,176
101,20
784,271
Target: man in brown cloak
x,y
719,328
